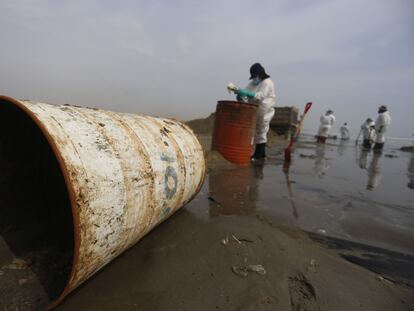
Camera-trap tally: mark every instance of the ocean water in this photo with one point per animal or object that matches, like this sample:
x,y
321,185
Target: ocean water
x,y
337,190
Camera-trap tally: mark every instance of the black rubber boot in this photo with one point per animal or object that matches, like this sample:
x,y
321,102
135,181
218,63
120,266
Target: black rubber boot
x,y
367,144
378,146
256,152
263,155
259,152
321,140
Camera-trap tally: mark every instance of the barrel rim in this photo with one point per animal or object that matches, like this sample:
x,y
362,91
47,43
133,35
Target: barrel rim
x,y
200,185
237,102
69,187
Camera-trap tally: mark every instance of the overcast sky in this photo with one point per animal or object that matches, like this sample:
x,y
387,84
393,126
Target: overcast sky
x,y
175,58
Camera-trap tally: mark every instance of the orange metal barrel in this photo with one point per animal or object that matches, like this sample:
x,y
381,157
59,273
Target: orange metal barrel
x,y
234,128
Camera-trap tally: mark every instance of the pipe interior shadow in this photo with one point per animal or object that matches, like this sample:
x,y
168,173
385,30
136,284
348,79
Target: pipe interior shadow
x,y
35,214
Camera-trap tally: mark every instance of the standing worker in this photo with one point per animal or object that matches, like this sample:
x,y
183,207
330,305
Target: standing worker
x,y
344,131
327,120
381,126
368,133
260,91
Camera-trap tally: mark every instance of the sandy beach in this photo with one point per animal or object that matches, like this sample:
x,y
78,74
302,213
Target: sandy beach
x,y
146,160
332,232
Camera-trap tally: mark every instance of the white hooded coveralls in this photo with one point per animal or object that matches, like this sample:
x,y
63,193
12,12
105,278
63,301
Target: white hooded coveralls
x,y
327,120
367,132
344,132
265,99
381,126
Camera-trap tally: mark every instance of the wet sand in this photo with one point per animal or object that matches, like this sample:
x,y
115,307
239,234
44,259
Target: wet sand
x,y
185,265
334,232
325,241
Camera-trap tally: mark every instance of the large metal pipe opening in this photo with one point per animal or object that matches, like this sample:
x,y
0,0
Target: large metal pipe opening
x,y
36,226
78,187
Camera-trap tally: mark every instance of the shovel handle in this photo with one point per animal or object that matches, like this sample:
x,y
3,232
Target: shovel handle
x,y
298,129
308,106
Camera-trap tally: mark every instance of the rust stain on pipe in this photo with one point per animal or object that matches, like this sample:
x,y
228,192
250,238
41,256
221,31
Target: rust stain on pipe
x,y
124,174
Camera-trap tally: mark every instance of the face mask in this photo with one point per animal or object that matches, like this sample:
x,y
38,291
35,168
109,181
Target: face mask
x,y
256,81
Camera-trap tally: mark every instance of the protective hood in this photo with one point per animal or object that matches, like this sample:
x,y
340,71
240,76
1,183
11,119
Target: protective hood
x,y
257,70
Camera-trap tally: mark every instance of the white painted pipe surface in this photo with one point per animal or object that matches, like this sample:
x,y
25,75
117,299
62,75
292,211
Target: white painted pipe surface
x,y
125,173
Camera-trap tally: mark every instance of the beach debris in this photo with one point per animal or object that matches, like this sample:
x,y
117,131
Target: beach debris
x,y
245,240
385,279
307,156
407,148
236,239
243,270
240,271
259,269
312,263
17,264
225,241
322,231
214,200
389,155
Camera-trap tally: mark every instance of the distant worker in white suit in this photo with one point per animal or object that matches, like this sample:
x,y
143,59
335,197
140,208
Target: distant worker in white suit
x,y
344,131
381,126
368,133
327,120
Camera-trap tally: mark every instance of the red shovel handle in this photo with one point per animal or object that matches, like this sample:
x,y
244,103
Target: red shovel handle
x,y
308,106
288,149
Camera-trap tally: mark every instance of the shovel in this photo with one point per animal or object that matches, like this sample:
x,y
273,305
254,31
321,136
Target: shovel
x,y
288,150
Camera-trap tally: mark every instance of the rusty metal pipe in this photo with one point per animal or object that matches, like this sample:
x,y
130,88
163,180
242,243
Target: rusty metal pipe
x,y
124,174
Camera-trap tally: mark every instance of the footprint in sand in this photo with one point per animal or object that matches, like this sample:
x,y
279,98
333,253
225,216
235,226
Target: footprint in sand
x,y
302,294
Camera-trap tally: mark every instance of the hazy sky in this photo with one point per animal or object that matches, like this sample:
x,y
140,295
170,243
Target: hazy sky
x,y
175,58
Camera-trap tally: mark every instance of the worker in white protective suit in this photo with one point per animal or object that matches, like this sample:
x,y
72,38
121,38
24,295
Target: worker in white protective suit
x,y
327,120
368,133
260,91
381,126
344,131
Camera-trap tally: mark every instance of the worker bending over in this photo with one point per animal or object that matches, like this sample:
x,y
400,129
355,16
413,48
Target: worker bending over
x,y
368,133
